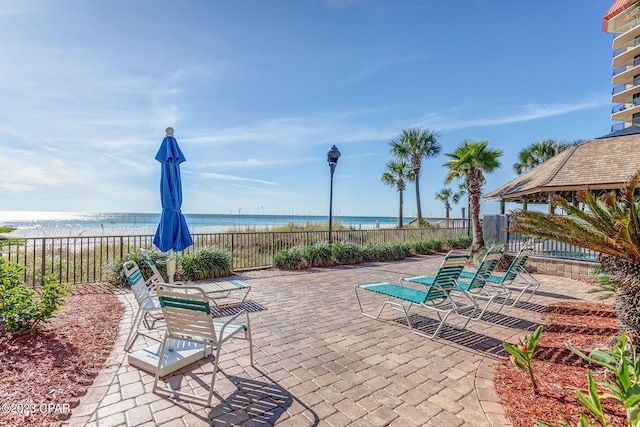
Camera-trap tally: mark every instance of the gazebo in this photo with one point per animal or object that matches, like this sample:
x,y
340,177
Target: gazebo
x,y
602,165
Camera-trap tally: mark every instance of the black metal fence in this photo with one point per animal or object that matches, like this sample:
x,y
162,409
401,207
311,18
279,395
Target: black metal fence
x,y
83,259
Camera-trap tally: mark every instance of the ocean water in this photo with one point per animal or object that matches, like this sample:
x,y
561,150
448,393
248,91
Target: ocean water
x,y
73,224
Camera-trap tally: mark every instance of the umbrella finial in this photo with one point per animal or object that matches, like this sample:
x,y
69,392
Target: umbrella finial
x,y
169,131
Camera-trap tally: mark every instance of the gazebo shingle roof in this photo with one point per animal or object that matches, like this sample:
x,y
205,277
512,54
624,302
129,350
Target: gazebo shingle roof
x,y
601,164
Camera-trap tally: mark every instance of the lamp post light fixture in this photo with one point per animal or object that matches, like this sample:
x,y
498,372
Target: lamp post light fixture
x,y
332,157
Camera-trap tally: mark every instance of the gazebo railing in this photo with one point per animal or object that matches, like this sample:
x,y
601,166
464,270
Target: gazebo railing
x,y
494,228
550,248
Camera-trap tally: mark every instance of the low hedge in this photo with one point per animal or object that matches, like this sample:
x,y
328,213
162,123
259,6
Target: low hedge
x,y
343,253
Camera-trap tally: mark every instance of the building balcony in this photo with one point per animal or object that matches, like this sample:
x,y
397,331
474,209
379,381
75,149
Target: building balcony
x,y
618,126
627,56
626,91
624,112
627,34
627,46
625,72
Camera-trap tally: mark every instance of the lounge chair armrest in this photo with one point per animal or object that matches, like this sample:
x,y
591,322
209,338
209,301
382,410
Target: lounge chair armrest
x,y
231,320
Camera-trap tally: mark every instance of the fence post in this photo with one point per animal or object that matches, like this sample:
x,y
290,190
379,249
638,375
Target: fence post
x,y
232,250
43,266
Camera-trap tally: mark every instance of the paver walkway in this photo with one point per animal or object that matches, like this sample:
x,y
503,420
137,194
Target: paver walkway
x,y
319,362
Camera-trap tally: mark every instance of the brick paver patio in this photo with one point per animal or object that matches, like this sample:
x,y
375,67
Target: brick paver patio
x,y
319,362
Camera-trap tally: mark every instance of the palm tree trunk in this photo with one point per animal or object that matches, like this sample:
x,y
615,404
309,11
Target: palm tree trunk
x,y
474,206
447,208
417,173
625,276
400,213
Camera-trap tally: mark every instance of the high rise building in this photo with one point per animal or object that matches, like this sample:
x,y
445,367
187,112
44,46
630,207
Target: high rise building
x,y
623,20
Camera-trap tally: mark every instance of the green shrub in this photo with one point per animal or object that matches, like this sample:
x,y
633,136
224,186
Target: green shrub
x,y
402,250
426,247
347,253
115,273
20,310
318,255
386,252
290,259
459,242
375,252
205,263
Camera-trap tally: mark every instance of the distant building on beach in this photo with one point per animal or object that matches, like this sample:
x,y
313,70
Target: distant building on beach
x,y
623,20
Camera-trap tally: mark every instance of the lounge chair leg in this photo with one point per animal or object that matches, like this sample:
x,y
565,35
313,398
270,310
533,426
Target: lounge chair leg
x,y
248,332
365,313
215,371
162,349
133,333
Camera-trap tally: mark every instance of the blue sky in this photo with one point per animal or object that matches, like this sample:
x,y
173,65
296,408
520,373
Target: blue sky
x,y
257,92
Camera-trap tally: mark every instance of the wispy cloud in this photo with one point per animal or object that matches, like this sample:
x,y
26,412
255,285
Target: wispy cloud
x,y
331,127
461,118
222,177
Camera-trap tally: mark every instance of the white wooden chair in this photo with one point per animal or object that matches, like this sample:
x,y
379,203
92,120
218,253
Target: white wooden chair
x,y
187,314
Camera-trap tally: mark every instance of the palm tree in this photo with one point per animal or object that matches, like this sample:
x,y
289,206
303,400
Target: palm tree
x,y
537,153
446,196
610,224
470,162
396,174
412,145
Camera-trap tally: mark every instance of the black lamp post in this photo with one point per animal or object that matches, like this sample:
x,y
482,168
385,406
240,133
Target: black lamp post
x,y
332,157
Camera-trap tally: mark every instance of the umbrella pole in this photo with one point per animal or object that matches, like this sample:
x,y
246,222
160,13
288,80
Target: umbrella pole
x,y
171,266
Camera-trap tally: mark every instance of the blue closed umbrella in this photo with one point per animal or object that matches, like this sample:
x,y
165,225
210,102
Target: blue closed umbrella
x,y
172,232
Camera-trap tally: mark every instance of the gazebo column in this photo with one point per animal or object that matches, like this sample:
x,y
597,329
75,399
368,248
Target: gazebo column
x,y
552,206
502,203
525,203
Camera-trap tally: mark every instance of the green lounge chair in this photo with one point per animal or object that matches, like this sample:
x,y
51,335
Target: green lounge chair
x,y
435,297
477,286
187,313
516,278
